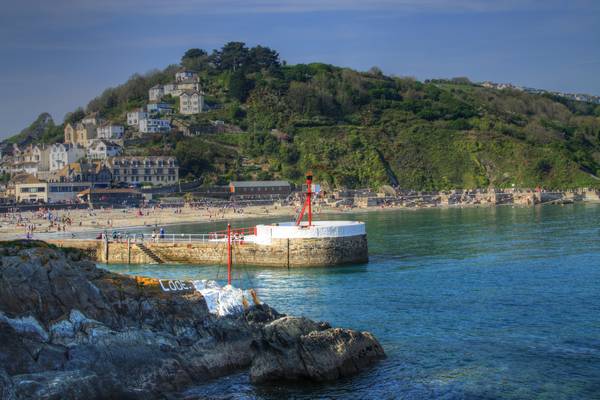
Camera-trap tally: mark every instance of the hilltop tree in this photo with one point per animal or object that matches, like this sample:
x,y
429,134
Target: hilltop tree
x,y
77,115
196,60
232,56
260,58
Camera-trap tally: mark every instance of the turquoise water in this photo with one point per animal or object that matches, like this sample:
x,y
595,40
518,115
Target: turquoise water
x,y
468,303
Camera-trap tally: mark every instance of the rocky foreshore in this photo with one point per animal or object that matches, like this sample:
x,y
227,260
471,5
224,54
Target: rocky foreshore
x,y
69,330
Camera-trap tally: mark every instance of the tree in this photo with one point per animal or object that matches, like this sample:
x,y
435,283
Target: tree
x,y
196,60
239,86
193,53
260,58
232,56
77,115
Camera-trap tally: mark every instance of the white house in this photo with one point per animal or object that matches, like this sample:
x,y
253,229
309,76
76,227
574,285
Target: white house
x,y
191,102
110,131
101,149
156,92
177,89
92,119
185,76
159,108
29,167
41,155
151,125
63,154
168,88
134,117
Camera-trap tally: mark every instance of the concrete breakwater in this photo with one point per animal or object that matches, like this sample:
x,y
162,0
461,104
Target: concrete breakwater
x,y
288,252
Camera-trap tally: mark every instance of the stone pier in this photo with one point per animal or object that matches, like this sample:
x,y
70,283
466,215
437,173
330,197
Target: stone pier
x,y
287,253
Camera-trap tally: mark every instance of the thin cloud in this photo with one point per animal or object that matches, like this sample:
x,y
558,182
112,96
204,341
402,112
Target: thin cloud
x,y
57,8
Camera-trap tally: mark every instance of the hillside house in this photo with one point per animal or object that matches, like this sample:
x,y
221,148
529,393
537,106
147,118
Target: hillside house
x,y
79,134
134,117
156,92
159,108
101,149
92,119
85,132
191,102
70,135
110,131
62,154
184,75
176,89
152,125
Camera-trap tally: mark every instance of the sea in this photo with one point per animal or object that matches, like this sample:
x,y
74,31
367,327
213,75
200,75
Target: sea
x,y
468,303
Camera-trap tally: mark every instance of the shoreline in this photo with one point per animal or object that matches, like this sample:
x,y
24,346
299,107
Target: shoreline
x,y
87,221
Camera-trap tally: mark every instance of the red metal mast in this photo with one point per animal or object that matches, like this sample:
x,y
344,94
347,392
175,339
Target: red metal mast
x,y
229,254
307,202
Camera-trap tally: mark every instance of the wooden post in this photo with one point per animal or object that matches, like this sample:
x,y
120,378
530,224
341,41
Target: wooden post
x,y
229,254
288,253
106,248
128,250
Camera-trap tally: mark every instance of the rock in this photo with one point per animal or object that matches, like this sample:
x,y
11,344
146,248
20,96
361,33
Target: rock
x,y
7,391
69,330
297,348
64,385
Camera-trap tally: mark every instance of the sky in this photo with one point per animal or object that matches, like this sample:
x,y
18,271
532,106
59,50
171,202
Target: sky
x,y
56,55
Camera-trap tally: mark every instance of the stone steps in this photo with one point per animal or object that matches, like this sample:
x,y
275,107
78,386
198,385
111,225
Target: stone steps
x,y
149,253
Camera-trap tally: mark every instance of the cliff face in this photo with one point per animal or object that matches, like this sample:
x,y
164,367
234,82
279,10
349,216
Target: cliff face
x,y
69,330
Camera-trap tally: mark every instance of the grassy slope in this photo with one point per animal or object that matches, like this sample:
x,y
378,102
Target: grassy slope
x,y
358,129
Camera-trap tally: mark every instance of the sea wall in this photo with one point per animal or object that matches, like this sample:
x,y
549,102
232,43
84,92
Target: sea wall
x,y
279,253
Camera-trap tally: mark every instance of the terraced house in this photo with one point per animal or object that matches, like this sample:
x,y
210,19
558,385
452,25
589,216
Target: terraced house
x,y
191,102
155,170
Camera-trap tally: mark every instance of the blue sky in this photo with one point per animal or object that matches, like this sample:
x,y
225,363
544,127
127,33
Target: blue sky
x,y
58,54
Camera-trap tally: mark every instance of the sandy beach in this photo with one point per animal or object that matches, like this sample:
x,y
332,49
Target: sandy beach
x,y
16,225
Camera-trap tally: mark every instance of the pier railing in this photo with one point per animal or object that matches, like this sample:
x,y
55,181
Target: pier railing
x,y
239,236
237,232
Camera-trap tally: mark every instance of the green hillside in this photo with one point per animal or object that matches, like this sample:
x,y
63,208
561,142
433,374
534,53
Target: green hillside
x,y
359,129
42,130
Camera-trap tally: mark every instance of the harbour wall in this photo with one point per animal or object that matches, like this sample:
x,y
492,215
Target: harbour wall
x,y
287,253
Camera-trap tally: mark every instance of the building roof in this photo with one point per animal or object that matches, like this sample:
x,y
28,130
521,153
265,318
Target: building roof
x,y
107,143
25,178
80,168
190,93
259,183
